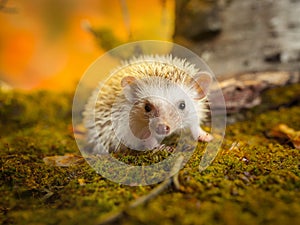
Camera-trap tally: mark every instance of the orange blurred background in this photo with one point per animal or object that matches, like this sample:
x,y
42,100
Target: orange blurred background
x,y
43,44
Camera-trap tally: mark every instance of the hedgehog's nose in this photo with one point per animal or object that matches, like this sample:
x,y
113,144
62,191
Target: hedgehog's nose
x,y
162,129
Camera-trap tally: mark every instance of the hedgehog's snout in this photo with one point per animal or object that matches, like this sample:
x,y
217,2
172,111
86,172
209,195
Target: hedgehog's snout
x,y
162,129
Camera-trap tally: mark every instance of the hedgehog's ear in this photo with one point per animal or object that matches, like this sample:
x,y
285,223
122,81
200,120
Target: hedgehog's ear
x,y
200,85
128,84
127,81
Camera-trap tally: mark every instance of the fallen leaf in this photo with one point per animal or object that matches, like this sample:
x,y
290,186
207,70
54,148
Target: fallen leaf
x,y
64,160
81,181
282,131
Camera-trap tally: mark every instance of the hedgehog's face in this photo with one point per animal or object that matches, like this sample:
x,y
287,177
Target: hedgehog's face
x,y
154,116
159,106
162,116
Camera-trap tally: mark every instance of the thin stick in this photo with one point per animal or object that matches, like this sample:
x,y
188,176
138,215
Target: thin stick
x,y
126,17
156,191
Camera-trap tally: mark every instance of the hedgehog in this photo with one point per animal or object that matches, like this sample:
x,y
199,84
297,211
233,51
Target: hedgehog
x,y
145,100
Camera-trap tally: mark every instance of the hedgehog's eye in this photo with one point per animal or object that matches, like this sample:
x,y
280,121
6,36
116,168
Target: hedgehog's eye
x,y
148,107
181,105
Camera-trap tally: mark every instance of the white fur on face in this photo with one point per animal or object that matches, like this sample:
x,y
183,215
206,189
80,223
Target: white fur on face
x,y
166,96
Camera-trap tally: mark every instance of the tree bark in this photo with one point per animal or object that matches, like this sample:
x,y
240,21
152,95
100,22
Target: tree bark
x,y
252,35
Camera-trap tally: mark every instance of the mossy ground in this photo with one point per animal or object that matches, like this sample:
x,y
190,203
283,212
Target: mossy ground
x,y
253,180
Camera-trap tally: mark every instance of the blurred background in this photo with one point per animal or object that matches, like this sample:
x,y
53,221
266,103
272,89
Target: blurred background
x,y
48,44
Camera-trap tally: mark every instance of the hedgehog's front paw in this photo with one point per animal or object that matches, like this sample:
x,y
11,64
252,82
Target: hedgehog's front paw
x,y
206,137
151,143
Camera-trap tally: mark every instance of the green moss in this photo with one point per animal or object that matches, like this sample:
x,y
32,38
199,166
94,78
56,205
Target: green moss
x,y
280,96
253,180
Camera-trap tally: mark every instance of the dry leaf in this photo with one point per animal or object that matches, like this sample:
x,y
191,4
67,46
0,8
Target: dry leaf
x,y
282,131
81,181
64,160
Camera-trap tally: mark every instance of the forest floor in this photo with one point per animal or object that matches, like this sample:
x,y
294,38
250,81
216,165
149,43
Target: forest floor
x,y
255,178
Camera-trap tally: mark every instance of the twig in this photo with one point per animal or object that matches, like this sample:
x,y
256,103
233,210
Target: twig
x,y
156,191
126,18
